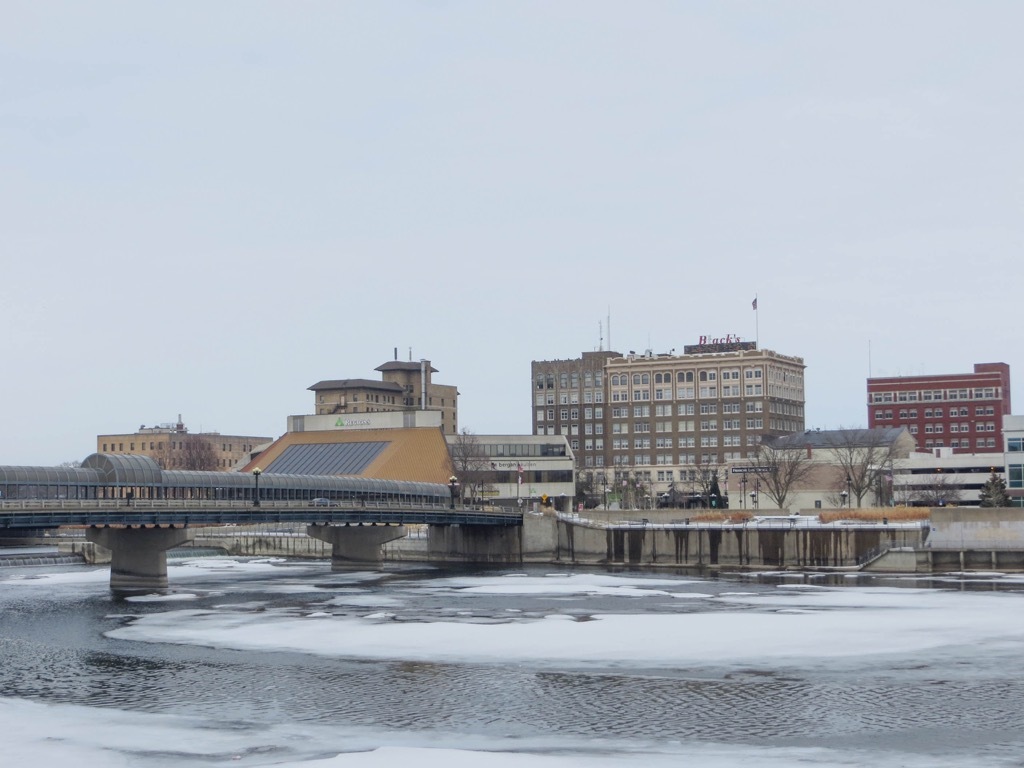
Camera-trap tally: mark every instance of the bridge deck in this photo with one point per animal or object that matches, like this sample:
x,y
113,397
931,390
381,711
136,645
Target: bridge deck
x,y
66,512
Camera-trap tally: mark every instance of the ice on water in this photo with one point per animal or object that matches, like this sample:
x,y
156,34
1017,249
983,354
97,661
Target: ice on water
x,y
775,627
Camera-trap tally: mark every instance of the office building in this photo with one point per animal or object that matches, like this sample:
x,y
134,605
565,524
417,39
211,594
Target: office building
x,y
962,411
659,418
172,446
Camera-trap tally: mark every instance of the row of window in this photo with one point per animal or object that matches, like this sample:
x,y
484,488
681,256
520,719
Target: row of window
x,y
704,459
704,392
965,427
706,441
680,377
936,413
567,380
154,445
644,411
570,398
514,450
965,443
978,393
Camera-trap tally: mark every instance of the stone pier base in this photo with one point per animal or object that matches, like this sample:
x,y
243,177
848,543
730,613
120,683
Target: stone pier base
x,y
355,543
138,557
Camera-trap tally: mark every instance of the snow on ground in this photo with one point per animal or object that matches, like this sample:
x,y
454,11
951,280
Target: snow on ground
x,y
84,737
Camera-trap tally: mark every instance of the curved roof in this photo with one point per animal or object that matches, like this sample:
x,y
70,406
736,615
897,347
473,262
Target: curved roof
x,y
126,468
47,476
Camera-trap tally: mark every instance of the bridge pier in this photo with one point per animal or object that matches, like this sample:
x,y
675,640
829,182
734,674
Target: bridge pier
x,y
355,543
138,556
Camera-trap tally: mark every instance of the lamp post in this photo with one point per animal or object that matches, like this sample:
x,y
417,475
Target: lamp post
x,y
453,488
844,495
714,500
849,495
256,497
755,495
743,496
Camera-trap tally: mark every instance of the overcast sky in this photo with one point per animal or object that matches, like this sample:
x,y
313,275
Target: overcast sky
x,y
205,208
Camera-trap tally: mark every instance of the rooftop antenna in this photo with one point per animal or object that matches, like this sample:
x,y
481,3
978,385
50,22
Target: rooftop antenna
x,y
609,327
869,358
410,354
600,336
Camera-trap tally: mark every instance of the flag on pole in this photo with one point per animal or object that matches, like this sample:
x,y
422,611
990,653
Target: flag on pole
x,y
519,469
753,305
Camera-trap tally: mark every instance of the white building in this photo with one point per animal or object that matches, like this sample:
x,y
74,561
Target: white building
x,y
1013,459
517,469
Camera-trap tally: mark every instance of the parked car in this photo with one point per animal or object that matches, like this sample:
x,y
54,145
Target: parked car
x,y
321,502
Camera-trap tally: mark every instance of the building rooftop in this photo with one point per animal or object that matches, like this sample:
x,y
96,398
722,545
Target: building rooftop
x,y
832,438
398,365
418,453
389,386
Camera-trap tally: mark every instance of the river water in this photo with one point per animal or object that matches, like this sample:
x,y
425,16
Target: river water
x,y
272,662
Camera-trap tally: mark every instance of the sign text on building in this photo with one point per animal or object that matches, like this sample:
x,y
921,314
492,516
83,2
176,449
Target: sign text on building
x,y
728,343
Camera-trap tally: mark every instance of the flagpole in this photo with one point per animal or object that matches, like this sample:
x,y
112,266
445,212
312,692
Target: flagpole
x,y
757,327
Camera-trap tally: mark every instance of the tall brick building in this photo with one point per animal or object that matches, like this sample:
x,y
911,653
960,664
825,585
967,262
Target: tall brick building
x,y
660,417
962,411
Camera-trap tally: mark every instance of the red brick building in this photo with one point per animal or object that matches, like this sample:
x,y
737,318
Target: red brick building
x,y
962,411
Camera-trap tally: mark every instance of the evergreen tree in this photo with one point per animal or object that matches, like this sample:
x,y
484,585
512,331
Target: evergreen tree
x,y
715,494
993,493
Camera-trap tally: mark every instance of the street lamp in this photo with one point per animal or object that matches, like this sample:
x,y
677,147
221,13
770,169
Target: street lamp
x,y
256,475
714,501
453,488
849,495
844,495
743,496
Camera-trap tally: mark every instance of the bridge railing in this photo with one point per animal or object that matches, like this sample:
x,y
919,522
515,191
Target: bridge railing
x,y
24,505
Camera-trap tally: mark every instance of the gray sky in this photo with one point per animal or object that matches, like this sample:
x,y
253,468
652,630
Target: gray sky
x,y
207,207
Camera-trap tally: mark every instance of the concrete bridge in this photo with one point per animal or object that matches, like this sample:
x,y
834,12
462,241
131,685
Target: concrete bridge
x,y
139,532
138,511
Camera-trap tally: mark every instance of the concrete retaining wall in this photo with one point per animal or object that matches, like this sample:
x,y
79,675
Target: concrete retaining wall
x,y
776,546
977,528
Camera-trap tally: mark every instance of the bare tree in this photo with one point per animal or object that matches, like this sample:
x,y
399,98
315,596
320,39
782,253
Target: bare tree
x,y
937,491
707,475
197,453
861,455
471,464
782,467
585,488
181,450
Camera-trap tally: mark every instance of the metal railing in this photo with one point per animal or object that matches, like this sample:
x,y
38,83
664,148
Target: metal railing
x,y
42,513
